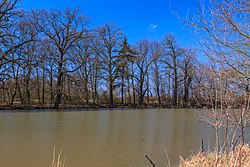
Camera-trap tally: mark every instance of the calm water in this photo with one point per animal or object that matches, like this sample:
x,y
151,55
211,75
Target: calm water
x,y
107,138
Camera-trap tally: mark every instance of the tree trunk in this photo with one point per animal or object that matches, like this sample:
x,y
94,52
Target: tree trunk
x,y
86,92
147,89
175,86
141,99
43,87
38,86
169,85
3,94
158,94
129,96
111,100
27,91
51,87
13,96
141,93
59,86
133,84
185,98
122,89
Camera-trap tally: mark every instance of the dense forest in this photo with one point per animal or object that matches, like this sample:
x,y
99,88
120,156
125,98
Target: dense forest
x,y
52,58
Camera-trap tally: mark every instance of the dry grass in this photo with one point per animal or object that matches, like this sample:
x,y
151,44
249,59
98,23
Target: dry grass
x,y
240,157
58,160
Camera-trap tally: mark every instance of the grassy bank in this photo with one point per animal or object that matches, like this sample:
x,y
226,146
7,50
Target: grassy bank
x,y
240,157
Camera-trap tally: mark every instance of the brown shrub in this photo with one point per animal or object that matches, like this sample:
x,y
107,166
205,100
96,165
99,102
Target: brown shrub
x,y
240,157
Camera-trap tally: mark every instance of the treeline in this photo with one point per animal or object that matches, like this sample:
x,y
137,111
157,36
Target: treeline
x,y
52,58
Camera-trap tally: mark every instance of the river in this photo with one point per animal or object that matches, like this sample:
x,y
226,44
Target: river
x,y
104,138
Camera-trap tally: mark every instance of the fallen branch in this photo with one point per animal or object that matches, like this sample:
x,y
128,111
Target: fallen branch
x,y
152,163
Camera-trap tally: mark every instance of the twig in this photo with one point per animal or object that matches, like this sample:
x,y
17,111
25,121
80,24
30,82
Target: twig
x,y
202,146
152,163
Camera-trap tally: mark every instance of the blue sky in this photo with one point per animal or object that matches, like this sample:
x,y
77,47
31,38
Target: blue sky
x,y
138,19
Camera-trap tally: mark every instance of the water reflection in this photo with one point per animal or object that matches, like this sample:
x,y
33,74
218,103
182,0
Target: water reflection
x,y
99,138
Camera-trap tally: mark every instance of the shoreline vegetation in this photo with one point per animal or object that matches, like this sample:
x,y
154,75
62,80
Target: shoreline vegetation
x,y
21,108
52,56
239,157
58,160
90,107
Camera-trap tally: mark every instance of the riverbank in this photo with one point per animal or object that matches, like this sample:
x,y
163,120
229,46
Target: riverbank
x,y
239,157
69,107
20,107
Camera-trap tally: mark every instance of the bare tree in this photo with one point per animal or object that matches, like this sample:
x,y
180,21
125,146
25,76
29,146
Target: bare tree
x,y
11,22
187,66
83,57
223,30
63,29
157,69
15,37
110,39
143,61
172,54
